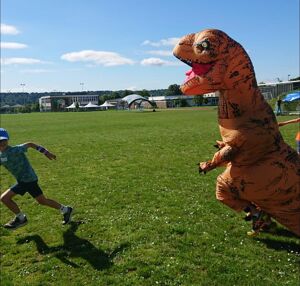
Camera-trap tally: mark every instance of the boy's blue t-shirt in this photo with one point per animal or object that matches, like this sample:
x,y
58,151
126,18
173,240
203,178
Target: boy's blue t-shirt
x,y
16,162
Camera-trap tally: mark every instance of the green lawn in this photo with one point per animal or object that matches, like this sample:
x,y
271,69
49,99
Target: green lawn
x,y
143,214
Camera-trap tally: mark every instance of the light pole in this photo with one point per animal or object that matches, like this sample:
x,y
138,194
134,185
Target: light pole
x,y
82,83
23,85
289,77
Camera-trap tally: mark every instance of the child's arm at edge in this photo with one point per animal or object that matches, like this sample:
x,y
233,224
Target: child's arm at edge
x,y
296,120
41,149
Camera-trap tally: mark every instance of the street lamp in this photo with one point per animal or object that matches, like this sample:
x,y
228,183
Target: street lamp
x,y
289,77
23,85
82,83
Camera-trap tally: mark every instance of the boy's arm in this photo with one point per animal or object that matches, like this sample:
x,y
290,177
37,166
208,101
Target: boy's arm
x,y
296,120
41,149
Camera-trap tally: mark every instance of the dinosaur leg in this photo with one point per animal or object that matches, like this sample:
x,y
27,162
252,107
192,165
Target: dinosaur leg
x,y
228,194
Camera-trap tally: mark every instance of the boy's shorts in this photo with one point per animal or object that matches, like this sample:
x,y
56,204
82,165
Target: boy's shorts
x,y
31,187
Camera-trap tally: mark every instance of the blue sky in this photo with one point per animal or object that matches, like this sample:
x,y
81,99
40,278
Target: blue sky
x,y
74,45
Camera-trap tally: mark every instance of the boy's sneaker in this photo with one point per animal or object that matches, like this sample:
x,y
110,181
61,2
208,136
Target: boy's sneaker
x,y
16,223
67,216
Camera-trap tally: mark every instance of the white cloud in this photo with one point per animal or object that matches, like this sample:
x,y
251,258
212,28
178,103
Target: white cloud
x,y
8,30
162,53
97,57
163,42
37,71
20,61
158,62
12,45
133,88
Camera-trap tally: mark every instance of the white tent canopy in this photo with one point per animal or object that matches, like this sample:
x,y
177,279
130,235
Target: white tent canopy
x,y
5,106
17,105
90,105
107,104
73,105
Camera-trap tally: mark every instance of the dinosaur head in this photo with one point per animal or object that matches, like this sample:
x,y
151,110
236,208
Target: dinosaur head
x,y
212,56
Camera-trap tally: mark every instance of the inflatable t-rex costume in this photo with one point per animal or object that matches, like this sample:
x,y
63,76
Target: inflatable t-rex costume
x,y
260,167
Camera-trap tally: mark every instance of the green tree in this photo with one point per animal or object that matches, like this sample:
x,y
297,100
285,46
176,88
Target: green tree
x,y
35,107
144,93
173,89
77,106
102,98
198,100
183,102
115,95
54,104
127,92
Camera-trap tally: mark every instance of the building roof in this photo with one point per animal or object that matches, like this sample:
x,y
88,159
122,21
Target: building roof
x,y
68,95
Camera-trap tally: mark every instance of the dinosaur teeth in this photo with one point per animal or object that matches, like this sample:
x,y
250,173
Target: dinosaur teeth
x,y
188,62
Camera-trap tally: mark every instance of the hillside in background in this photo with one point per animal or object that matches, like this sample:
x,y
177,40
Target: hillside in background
x,y
12,98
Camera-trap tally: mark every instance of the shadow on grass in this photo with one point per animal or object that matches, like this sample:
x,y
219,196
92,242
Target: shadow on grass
x,y
284,232
75,246
288,246
280,245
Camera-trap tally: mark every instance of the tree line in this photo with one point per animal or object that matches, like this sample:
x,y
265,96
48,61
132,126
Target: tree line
x,y
24,98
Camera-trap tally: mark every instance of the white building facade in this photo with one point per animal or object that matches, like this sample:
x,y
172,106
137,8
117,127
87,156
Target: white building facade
x,y
60,102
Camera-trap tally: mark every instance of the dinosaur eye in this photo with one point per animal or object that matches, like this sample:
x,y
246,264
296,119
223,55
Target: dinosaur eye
x,y
204,45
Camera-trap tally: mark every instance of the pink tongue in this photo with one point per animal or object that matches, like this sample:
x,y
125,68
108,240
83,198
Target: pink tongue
x,y
197,69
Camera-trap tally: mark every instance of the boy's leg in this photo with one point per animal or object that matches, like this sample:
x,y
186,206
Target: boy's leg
x,y
42,200
6,198
20,218
65,210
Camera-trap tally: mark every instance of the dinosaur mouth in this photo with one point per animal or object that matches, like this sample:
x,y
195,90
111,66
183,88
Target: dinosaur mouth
x,y
197,70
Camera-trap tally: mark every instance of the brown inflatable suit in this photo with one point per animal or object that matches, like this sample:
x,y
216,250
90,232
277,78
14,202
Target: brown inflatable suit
x,y
260,167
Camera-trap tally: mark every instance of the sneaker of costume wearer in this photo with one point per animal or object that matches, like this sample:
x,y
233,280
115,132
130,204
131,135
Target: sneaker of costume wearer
x,y
248,216
270,227
248,212
68,215
16,223
259,223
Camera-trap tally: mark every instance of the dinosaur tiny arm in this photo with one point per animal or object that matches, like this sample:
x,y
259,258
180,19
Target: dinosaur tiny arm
x,y
223,156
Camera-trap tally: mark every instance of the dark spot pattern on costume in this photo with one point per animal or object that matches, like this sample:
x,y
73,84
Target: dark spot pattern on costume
x,y
243,185
235,109
234,74
228,154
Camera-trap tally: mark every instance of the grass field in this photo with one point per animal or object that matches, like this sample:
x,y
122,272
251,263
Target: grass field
x,y
143,216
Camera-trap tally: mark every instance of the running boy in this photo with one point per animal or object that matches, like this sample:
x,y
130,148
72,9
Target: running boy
x,y
16,162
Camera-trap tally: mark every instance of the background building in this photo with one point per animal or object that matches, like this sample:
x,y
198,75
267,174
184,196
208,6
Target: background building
x,y
60,102
185,101
273,90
